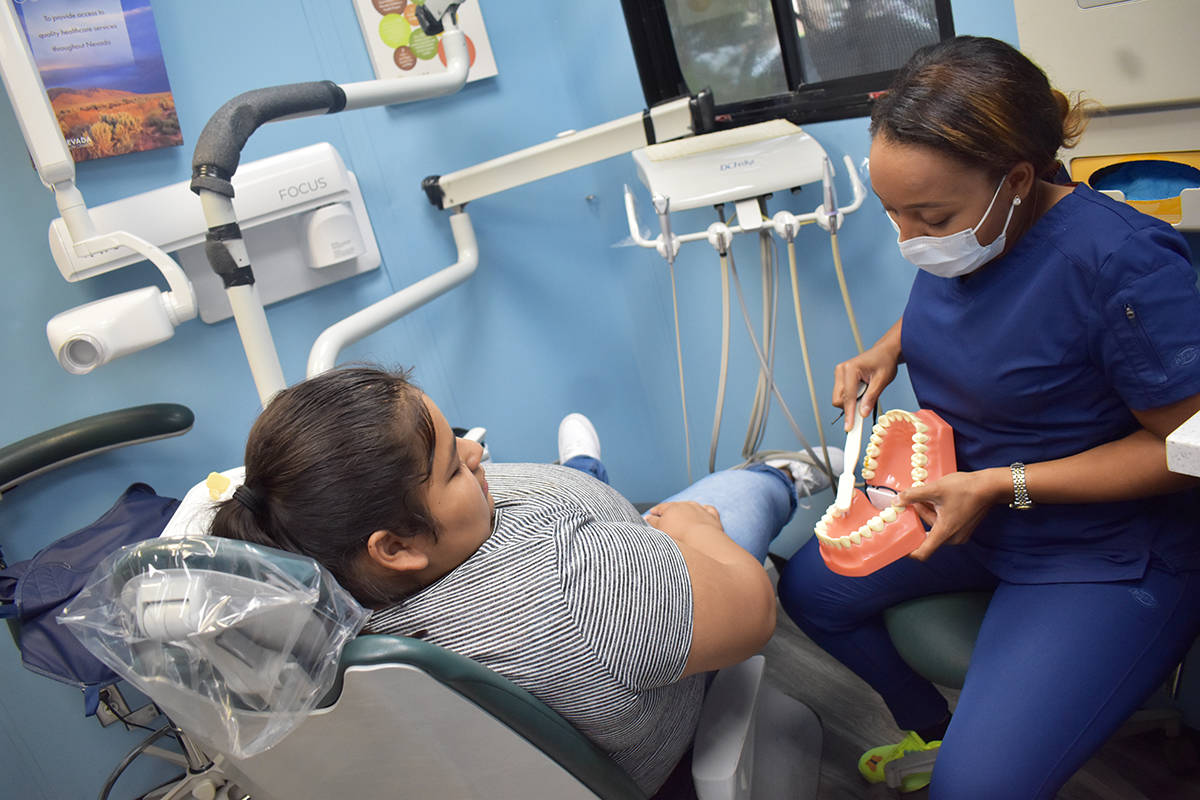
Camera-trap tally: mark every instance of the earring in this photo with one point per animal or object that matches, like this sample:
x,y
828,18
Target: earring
x,y
1016,199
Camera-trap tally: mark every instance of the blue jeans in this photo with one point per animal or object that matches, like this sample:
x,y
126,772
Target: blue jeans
x,y
754,503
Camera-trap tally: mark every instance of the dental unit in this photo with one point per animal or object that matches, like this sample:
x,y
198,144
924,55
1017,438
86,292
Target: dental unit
x,y
743,166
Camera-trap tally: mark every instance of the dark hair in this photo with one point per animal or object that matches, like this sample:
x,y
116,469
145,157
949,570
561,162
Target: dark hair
x,y
981,101
330,461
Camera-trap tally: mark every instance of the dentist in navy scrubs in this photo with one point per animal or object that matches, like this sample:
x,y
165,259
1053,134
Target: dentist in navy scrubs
x,y
1058,332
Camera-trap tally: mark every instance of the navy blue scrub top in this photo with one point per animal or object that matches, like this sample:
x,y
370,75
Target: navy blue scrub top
x,y
1040,355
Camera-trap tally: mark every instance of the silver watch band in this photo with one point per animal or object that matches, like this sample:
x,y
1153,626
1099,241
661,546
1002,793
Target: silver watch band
x,y
1021,501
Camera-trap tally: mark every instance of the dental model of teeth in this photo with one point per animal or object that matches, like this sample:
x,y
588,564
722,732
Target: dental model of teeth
x,y
865,532
919,460
905,449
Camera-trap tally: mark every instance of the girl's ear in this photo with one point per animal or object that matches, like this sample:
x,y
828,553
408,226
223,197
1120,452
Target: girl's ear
x,y
397,553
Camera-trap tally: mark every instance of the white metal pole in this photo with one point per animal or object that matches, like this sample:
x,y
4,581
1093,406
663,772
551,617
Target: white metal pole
x,y
248,312
387,91
370,319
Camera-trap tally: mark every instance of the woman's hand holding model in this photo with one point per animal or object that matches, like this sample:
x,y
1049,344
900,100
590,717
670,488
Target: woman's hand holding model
x,y
875,367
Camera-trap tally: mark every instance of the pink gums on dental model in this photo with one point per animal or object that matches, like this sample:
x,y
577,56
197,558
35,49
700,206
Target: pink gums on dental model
x,y
904,450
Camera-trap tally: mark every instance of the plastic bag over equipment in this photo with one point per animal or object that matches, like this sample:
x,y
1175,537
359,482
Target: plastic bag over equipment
x,y
235,642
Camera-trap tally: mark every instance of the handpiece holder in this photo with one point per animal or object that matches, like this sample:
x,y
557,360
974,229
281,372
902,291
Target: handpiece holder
x,y
785,224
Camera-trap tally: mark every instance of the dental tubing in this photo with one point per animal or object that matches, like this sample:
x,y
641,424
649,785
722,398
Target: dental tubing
x,y
808,375
687,436
757,426
669,247
841,277
762,360
723,374
720,236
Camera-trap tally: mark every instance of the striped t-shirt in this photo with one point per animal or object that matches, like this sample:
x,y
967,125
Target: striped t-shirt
x,y
580,602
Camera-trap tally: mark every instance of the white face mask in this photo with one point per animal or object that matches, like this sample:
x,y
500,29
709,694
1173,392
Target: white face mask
x,y
958,253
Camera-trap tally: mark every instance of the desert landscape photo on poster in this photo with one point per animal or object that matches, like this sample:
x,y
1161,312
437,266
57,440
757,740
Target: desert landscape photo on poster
x,y
103,69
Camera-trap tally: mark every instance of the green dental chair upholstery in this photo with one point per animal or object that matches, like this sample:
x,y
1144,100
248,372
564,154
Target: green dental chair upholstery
x,y
407,719
935,634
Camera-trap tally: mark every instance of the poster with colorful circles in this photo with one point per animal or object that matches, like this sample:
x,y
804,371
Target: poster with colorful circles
x,y
399,47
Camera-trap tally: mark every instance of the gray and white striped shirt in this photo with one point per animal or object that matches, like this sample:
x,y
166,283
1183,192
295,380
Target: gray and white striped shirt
x,y
580,602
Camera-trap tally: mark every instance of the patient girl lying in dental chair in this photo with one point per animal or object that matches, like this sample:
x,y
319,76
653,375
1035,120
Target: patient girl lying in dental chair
x,y
540,572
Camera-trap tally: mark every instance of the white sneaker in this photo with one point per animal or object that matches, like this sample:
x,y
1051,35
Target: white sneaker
x,y
577,437
478,435
809,478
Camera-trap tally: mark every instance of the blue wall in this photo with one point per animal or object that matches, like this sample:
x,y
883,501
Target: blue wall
x,y
559,317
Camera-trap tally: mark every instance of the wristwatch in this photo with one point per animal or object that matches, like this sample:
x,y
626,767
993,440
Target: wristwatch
x,y
1021,501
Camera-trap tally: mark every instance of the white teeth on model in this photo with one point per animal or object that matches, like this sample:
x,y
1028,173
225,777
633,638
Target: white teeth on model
x,y
918,459
874,525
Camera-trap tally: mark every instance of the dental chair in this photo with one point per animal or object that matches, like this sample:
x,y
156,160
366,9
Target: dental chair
x,y
935,635
252,652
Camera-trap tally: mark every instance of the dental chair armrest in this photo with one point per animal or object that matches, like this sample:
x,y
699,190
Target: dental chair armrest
x,y
59,446
723,753
509,703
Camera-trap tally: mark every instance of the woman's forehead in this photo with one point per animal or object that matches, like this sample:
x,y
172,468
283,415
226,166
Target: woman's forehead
x,y
915,175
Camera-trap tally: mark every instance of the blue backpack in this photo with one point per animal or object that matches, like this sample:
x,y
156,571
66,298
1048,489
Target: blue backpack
x,y
33,592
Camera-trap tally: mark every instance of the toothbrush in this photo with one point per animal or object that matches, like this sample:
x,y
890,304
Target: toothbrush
x,y
845,487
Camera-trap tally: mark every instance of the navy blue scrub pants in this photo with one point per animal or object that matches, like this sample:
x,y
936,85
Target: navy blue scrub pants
x,y
1056,668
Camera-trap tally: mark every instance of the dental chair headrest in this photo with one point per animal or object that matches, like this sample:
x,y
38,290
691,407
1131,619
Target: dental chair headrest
x,y
235,642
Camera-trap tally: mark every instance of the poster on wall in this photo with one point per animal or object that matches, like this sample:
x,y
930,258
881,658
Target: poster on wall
x,y
398,47
102,66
